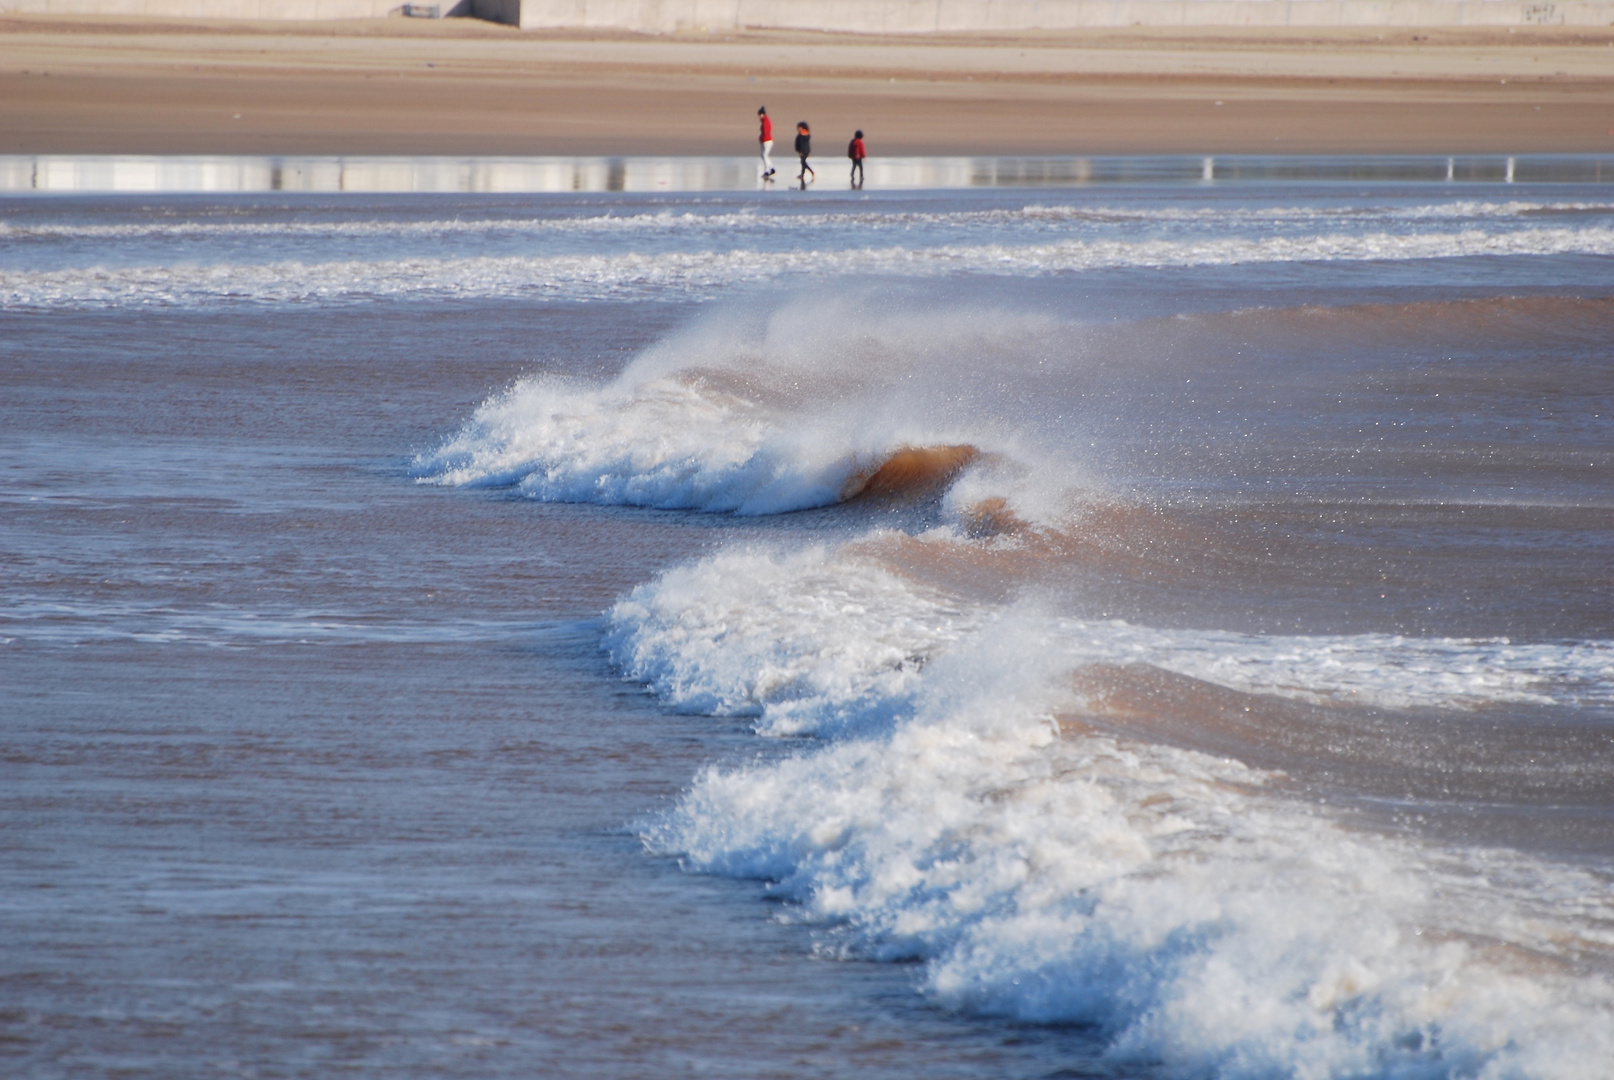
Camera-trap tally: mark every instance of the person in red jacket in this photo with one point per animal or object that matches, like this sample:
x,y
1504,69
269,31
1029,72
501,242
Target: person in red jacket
x,y
855,151
765,137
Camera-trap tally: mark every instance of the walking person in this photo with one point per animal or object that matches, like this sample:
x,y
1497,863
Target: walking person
x,y
804,147
855,151
765,137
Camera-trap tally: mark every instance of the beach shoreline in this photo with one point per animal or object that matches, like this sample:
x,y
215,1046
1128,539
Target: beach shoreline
x,y
404,86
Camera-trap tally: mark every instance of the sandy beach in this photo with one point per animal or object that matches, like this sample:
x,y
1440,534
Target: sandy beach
x,y
465,87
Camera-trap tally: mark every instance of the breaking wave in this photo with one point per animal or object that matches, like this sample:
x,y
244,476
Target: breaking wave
x,y
1161,830
970,812
801,640
675,443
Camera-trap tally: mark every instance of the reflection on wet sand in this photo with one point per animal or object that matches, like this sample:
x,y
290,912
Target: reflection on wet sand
x,y
514,175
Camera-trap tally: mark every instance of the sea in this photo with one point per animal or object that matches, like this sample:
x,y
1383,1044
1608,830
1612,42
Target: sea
x,y
1148,619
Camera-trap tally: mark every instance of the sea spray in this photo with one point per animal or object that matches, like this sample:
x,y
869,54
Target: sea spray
x,y
806,641
1151,719
1206,925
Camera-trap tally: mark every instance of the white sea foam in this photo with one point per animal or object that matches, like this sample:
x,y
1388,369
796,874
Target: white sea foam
x,y
1203,927
1455,210
701,274
571,277
719,222
730,416
213,228
1156,895
822,636
1370,669
810,643
664,442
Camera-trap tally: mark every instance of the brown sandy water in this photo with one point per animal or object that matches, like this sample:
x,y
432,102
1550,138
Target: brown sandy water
x,y
1220,613
309,770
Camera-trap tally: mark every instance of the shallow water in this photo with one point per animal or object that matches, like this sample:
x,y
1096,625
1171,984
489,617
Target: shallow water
x,y
496,635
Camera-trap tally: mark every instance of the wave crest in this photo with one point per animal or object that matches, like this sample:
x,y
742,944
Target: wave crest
x,y
681,441
1171,898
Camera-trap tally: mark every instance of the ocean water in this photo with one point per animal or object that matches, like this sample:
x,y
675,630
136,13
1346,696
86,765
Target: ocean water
x,y
1133,630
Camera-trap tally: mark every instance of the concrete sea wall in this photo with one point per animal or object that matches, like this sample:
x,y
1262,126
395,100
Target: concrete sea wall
x,y
930,16
877,16
210,9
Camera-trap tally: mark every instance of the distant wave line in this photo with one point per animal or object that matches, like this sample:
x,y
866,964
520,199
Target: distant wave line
x,y
679,275
758,218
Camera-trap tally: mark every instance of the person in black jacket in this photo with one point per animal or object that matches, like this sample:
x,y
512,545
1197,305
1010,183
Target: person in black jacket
x,y
804,146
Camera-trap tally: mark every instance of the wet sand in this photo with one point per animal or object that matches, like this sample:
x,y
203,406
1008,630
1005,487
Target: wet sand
x,y
461,86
